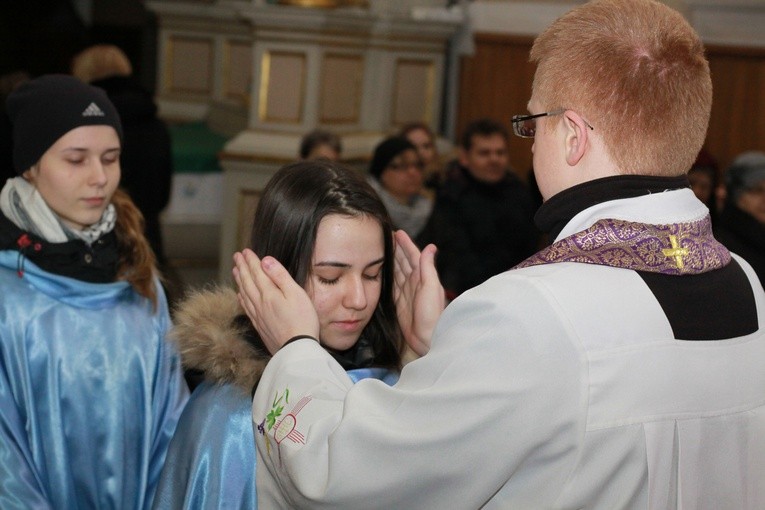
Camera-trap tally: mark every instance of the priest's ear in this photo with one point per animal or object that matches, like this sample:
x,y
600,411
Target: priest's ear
x,y
577,136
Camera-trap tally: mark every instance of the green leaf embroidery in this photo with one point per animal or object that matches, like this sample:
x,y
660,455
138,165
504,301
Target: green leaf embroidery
x,y
277,408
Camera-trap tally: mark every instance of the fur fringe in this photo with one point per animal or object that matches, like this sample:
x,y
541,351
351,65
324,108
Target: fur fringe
x,y
209,340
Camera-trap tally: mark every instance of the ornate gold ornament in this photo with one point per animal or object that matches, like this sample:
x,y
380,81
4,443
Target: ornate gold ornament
x,y
325,4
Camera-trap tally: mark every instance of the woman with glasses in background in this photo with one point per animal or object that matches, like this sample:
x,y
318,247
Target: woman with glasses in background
x,y
397,175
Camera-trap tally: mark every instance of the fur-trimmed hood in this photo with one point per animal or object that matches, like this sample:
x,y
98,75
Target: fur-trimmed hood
x,y
211,340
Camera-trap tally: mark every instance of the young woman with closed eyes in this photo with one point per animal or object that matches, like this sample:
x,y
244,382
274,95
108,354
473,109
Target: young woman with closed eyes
x,y
333,234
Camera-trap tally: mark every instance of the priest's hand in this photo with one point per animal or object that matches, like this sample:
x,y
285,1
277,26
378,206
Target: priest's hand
x,y
418,292
278,307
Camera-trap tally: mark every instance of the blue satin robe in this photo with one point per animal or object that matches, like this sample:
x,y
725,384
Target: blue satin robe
x,y
90,392
211,461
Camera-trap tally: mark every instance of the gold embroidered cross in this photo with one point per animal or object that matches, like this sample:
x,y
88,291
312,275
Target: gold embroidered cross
x,y
676,251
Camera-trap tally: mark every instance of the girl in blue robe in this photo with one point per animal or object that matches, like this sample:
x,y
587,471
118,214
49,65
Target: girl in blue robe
x,y
90,391
334,235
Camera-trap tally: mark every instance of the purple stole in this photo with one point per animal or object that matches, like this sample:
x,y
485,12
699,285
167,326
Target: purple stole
x,y
674,249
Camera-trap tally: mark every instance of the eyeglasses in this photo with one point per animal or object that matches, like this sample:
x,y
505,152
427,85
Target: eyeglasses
x,y
400,166
525,126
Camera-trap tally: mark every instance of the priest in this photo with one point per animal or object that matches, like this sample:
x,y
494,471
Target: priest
x,y
621,367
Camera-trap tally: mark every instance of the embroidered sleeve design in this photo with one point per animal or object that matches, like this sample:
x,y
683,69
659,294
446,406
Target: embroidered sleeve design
x,y
277,427
277,408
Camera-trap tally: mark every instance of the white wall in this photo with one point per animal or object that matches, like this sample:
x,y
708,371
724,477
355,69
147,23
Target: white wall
x,y
725,22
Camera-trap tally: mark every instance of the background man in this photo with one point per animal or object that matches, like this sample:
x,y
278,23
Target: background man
x,y
483,218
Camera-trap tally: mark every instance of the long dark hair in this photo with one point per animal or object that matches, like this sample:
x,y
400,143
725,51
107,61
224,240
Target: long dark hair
x,y
287,217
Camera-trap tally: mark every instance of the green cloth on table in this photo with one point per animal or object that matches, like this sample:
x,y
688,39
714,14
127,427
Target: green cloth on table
x,y
196,148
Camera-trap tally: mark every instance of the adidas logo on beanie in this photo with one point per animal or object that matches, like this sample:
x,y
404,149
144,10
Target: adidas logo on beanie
x,y
93,111
46,108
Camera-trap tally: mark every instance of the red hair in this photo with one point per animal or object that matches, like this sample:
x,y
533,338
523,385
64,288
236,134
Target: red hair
x,y
636,71
137,263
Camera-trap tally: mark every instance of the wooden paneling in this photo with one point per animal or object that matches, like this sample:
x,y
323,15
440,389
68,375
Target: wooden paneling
x,y
342,84
190,65
738,109
413,91
496,82
236,70
282,86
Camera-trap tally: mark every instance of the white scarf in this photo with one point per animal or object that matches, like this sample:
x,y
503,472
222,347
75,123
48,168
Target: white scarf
x,y
411,217
21,203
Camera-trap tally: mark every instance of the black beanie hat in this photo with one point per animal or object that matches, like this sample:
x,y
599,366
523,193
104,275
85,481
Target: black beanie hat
x,y
745,173
46,108
386,151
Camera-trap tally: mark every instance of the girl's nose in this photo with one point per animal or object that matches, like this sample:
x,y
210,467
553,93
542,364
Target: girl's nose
x,y
355,297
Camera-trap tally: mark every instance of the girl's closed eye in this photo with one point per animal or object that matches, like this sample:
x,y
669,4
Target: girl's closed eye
x,y
372,277
328,275
112,155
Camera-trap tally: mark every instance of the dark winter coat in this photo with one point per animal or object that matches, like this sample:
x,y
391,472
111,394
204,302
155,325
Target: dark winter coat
x,y
742,234
480,229
146,161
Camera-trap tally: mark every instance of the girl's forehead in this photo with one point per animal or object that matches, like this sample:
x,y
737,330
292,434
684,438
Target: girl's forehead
x,y
342,237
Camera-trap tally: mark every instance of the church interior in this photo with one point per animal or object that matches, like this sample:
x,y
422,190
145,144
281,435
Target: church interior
x,y
239,82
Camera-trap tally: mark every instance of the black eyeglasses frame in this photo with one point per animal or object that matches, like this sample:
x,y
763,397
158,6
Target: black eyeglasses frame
x,y
522,131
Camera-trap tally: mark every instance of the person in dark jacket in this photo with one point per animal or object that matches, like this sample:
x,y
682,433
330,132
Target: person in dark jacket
x,y
705,180
483,218
396,173
741,226
146,159
8,83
